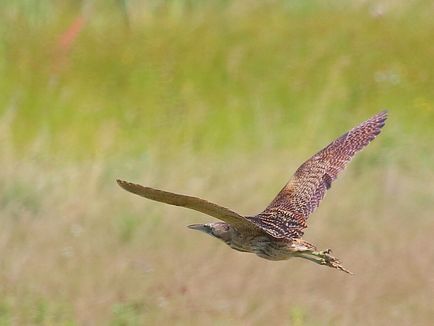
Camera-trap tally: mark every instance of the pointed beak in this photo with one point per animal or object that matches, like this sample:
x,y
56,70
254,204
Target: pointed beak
x,y
198,227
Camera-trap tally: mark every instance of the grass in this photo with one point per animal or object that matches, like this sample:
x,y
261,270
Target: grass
x,y
222,100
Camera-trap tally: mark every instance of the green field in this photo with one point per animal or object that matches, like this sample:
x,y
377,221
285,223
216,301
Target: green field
x,y
224,100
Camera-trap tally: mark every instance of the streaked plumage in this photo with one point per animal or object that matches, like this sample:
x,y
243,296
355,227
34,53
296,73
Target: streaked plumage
x,y
276,233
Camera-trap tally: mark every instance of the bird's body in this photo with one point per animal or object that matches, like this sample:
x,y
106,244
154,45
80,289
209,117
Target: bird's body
x,y
258,243
265,246
268,248
276,233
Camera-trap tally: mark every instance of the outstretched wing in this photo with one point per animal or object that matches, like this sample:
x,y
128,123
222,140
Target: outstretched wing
x,y
195,203
286,216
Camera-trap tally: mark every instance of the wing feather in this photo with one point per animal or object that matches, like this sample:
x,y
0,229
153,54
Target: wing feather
x,y
191,202
286,215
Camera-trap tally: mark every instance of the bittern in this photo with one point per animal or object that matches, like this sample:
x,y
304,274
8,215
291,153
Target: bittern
x,y
276,233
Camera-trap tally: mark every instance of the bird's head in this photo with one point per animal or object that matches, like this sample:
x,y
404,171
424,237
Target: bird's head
x,y
219,230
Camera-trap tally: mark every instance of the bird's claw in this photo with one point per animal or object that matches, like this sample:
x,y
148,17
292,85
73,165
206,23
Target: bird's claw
x,y
335,263
327,259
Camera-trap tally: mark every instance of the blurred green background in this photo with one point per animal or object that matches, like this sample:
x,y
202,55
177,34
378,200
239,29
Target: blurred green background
x,y
224,100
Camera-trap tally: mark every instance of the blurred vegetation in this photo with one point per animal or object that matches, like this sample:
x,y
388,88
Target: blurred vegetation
x,y
211,77
210,98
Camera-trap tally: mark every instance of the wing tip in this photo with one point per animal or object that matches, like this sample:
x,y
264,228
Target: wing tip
x,y
132,187
377,122
123,184
381,118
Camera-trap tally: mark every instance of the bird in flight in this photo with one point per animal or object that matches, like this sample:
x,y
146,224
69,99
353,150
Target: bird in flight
x,y
276,233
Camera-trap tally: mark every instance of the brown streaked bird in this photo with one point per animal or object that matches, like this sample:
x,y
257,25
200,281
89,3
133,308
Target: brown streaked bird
x,y
276,233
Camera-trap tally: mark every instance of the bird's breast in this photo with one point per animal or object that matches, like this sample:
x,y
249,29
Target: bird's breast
x,y
263,246
273,249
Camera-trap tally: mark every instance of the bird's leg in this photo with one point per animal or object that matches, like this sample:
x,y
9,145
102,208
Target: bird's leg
x,y
306,250
323,257
308,255
325,252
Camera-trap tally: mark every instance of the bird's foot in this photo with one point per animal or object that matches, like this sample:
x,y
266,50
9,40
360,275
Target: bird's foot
x,y
328,260
325,252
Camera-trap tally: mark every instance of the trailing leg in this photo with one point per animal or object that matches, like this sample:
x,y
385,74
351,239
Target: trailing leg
x,y
323,257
